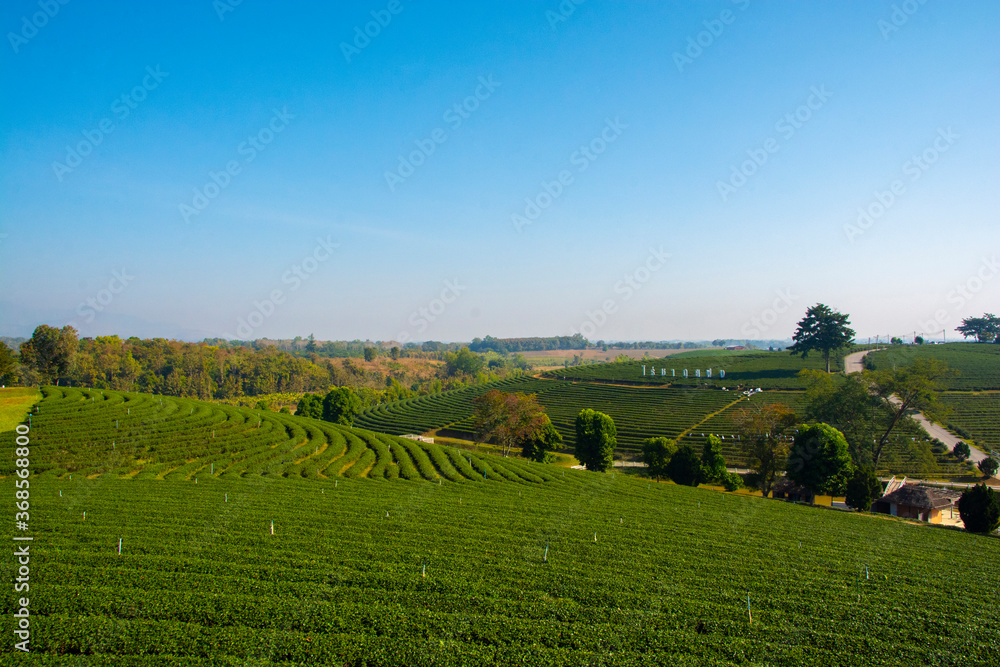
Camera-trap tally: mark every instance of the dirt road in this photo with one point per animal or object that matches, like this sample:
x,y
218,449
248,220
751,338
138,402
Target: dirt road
x,y
853,364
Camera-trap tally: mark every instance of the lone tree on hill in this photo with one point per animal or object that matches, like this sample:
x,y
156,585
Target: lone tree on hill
x,y
989,466
979,508
819,459
685,467
986,328
764,441
509,419
595,439
656,454
824,330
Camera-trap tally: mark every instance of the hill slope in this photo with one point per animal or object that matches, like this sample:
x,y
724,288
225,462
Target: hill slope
x,y
272,567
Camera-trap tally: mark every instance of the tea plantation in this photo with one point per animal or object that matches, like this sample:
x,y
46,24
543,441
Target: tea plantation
x,y
261,546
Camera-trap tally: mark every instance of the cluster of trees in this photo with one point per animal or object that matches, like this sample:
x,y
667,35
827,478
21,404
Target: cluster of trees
x,y
515,420
664,458
508,345
848,424
340,405
985,329
224,371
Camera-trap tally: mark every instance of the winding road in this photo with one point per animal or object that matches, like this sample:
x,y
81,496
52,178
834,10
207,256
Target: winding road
x,y
853,364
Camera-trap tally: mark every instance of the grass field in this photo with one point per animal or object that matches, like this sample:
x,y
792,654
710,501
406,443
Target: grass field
x,y
15,402
978,364
532,565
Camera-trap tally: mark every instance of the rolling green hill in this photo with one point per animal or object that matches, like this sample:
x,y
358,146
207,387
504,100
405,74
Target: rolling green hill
x,y
265,563
731,369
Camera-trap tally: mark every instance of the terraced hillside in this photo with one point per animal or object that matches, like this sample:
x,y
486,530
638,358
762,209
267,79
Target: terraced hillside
x,y
976,417
767,370
639,413
978,364
268,561
93,432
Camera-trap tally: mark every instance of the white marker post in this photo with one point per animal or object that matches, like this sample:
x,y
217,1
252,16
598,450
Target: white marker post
x,y
272,526
119,546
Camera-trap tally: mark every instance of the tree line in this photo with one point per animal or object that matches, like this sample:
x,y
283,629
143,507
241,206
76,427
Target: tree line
x,y
223,372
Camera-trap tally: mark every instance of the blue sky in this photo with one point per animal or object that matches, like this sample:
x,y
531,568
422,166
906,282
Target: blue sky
x,y
625,170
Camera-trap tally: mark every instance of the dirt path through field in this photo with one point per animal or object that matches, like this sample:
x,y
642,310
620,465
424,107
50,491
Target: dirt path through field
x,y
853,364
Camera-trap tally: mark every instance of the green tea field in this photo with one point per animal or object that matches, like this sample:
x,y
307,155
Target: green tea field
x,y
163,548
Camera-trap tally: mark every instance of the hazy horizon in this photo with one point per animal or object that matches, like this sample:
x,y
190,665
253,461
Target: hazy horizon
x,y
394,170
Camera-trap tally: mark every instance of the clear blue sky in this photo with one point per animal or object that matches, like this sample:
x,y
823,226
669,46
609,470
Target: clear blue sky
x,y
115,114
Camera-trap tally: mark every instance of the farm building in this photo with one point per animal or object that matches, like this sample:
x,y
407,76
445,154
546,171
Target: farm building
x,y
912,501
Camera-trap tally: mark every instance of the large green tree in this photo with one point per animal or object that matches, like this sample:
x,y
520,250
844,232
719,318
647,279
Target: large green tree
x,y
863,488
50,352
509,419
713,464
979,508
341,405
596,437
656,454
764,441
8,365
819,459
464,361
540,447
310,405
824,330
985,329
685,466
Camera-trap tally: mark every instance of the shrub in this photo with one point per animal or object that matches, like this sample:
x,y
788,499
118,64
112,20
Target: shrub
x,y
979,509
685,466
988,466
